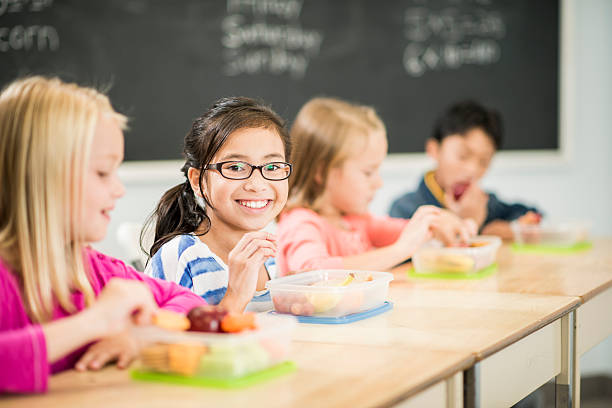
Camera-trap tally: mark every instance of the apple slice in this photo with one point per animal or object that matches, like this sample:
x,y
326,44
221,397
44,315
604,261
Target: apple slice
x,y
347,281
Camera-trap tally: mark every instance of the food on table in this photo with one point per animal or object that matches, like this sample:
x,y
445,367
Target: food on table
x,y
447,262
476,254
218,360
347,281
237,322
206,319
559,234
222,353
329,294
224,360
476,244
215,320
302,309
308,303
528,224
156,357
530,218
322,302
285,304
169,320
184,358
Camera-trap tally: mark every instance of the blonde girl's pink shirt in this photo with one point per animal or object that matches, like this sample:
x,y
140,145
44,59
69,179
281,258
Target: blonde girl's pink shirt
x,y
23,351
306,241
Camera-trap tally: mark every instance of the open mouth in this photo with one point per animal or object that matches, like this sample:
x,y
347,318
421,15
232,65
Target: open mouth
x,y
459,189
254,204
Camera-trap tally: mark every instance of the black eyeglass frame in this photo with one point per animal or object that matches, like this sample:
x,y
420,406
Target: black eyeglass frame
x,y
219,168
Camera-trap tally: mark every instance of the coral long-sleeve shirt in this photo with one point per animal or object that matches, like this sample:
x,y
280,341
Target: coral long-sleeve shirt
x,y
23,351
307,241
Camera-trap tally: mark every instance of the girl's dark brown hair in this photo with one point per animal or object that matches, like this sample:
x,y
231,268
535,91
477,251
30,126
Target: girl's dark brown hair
x,y
178,212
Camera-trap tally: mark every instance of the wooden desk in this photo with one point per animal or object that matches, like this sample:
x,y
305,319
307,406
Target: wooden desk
x,y
517,339
510,332
583,274
586,275
329,375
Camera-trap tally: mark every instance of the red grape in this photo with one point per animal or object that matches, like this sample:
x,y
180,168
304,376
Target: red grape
x,y
206,318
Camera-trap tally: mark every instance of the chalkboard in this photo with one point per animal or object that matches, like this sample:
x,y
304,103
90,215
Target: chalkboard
x,y
168,60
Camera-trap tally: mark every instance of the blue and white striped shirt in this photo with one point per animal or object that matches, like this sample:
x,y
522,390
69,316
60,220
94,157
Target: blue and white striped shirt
x,y
189,262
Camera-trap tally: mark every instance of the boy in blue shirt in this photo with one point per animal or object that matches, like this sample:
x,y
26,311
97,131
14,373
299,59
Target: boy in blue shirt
x,y
463,143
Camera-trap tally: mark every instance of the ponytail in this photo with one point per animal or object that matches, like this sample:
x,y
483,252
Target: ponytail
x,y
177,213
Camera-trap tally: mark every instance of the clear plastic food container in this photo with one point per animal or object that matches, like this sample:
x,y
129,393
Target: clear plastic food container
x,y
217,355
562,234
329,293
480,253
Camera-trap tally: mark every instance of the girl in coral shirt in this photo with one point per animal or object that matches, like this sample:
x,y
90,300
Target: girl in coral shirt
x,y
337,149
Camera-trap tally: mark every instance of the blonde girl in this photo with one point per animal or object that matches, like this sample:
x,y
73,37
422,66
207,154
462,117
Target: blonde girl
x,y
337,149
60,147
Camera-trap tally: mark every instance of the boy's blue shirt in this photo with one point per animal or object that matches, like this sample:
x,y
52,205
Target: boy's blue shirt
x,y
406,205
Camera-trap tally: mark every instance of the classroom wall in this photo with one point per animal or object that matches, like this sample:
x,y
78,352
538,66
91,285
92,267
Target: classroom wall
x,y
573,185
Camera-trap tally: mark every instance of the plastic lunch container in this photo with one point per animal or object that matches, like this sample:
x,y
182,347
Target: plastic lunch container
x,y
217,355
329,293
434,258
562,234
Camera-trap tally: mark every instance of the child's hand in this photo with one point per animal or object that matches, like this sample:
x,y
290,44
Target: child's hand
x,y
418,229
452,230
472,204
530,218
121,304
122,348
244,263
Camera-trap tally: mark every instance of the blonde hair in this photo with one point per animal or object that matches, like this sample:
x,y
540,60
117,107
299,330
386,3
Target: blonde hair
x,y
325,133
46,130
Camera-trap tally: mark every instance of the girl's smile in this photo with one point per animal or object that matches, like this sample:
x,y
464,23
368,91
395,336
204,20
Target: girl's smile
x,y
255,205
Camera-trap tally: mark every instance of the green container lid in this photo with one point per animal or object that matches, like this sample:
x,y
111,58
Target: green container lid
x,y
551,249
226,383
484,272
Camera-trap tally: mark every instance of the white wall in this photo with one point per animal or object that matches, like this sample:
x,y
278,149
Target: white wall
x,y
575,186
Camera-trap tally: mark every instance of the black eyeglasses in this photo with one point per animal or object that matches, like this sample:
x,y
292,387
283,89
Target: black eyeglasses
x,y
239,170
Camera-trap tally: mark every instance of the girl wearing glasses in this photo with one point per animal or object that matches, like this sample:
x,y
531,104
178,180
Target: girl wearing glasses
x,y
326,224
208,229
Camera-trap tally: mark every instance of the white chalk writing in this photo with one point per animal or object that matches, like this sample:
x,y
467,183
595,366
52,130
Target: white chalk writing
x,y
36,38
280,8
265,36
27,37
451,38
18,6
289,37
